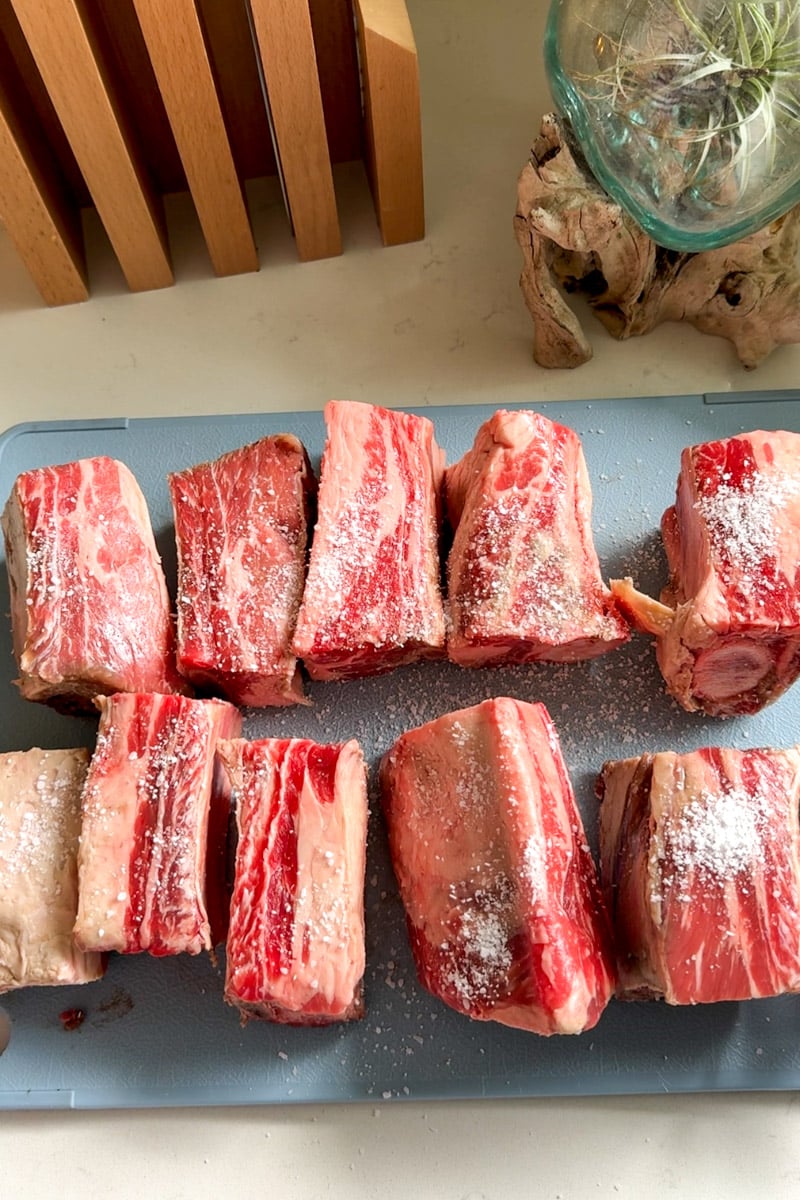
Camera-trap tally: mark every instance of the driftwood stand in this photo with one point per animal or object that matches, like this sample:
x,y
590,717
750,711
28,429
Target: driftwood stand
x,y
573,235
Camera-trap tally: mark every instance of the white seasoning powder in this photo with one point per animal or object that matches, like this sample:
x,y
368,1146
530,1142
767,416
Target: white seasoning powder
x,y
741,519
479,976
486,938
534,861
719,835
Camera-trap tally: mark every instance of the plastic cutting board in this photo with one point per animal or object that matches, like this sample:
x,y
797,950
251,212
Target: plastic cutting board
x,y
156,1032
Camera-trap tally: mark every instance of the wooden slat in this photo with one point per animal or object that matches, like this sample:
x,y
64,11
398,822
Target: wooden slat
x,y
177,49
116,27
38,103
393,122
233,58
340,84
35,209
69,60
286,46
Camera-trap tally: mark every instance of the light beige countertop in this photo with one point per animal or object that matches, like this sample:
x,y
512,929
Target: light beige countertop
x,y
438,322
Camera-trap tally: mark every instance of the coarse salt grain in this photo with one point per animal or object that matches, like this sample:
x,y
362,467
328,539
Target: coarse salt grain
x,y
742,519
533,860
719,835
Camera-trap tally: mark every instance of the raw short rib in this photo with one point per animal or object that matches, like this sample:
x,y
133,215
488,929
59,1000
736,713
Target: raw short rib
x,y
700,862
155,816
728,625
372,599
504,910
295,950
40,821
89,605
524,581
241,525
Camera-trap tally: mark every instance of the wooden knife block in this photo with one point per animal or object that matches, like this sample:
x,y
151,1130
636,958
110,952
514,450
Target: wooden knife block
x,y
114,103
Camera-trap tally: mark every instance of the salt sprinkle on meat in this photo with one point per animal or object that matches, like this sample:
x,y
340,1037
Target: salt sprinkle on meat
x,y
535,864
742,519
718,834
479,972
486,938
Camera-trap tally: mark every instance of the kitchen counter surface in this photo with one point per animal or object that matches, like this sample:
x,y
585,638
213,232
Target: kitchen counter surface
x,y
438,322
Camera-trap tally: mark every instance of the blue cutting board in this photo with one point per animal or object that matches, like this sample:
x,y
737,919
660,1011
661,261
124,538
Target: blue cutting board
x,y
157,1032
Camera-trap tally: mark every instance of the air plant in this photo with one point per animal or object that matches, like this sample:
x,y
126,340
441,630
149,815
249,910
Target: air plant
x,y
713,86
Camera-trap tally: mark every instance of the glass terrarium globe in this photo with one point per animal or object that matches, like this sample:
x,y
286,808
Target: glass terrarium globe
x,y
687,111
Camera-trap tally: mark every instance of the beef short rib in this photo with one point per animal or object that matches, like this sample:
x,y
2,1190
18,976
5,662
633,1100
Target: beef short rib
x,y
372,599
89,606
40,820
700,864
504,910
295,950
727,626
523,576
148,875
241,525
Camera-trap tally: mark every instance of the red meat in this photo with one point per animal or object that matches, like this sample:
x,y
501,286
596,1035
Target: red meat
x,y
728,625
89,605
40,821
372,599
154,790
295,949
504,910
524,581
700,858
241,525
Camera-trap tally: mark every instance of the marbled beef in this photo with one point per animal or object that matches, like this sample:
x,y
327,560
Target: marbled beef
x,y
40,822
241,526
700,863
503,905
155,792
372,599
524,581
295,950
727,626
89,605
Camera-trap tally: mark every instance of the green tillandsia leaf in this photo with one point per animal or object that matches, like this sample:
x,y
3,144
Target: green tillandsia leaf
x,y
687,110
